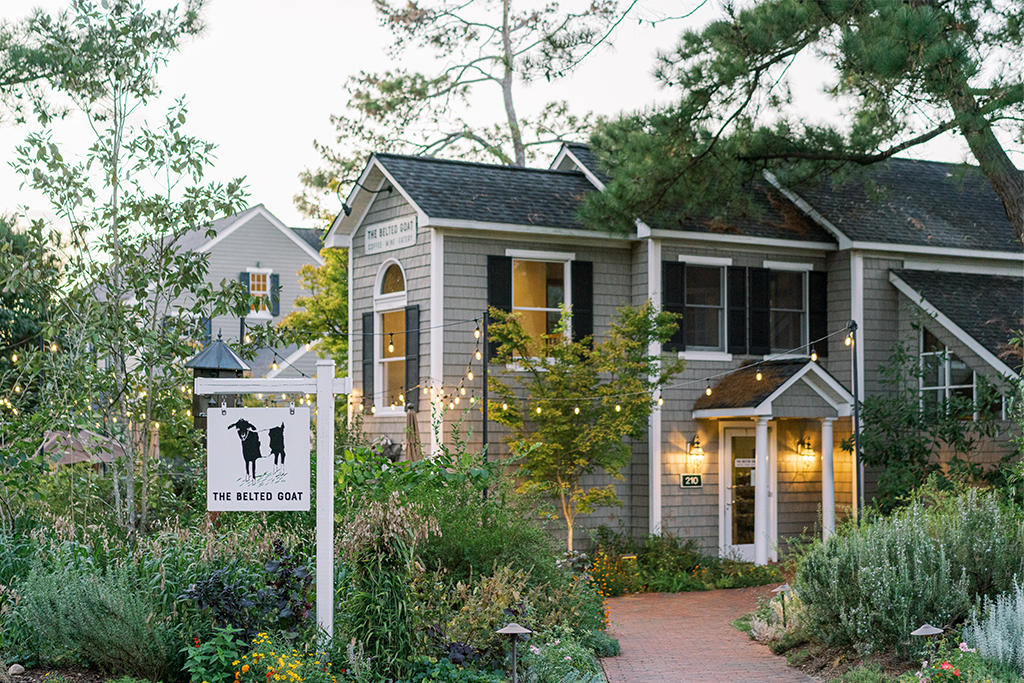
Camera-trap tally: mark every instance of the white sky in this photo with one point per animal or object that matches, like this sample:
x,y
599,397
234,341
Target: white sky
x,y
263,79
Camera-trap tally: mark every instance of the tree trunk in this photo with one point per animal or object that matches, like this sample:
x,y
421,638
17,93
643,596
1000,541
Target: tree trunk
x,y
569,520
1006,179
506,87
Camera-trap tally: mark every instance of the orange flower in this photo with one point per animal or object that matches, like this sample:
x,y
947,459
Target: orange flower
x,y
245,668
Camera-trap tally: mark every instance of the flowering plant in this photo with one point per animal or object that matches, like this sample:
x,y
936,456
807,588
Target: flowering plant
x,y
274,662
960,664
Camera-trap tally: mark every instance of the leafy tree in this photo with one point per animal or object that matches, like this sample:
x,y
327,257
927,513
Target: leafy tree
x,y
583,400
326,314
905,72
495,44
45,54
903,438
127,304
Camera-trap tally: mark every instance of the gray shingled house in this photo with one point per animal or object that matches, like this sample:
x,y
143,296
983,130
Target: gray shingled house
x,y
928,258
256,248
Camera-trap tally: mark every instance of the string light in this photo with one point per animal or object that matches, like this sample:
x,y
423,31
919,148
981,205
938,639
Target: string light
x,y
758,376
392,404
451,405
618,408
462,390
54,347
248,339
478,355
469,376
142,394
14,357
504,406
707,390
259,396
814,354
576,410
284,396
273,366
401,398
17,388
457,399
184,388
426,391
848,340
361,407
476,332
307,346
661,401
373,410
538,410
391,343
187,412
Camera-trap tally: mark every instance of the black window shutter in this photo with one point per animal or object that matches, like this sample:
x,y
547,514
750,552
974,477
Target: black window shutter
x,y
244,279
412,353
760,311
368,352
499,288
275,294
582,300
673,300
736,284
207,331
499,282
817,291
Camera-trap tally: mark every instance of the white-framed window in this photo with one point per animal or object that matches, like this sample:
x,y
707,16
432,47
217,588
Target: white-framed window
x,y
390,298
259,286
943,374
540,290
788,304
705,307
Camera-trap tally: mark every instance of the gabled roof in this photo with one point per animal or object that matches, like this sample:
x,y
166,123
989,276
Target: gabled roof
x,y
983,311
918,203
489,193
197,240
581,155
311,236
740,393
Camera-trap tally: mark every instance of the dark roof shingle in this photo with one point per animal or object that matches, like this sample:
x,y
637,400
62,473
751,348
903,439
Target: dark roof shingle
x,y
987,307
920,203
742,389
460,190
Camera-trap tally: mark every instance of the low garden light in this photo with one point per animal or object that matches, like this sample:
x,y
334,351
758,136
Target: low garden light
x,y
928,632
515,632
781,592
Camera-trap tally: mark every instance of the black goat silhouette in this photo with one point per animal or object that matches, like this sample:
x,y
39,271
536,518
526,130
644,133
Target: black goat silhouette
x,y
277,442
250,444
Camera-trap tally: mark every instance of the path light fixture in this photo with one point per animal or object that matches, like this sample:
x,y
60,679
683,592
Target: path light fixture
x,y
927,631
515,631
216,360
781,592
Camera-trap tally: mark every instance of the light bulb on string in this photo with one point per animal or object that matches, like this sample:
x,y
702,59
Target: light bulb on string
x,y
451,405
14,357
576,410
259,396
848,340
457,399
478,355
758,376
538,410
814,354
661,401
462,390
373,410
273,365
361,407
476,332
54,347
469,375
618,408
707,389
284,396
425,391
391,343
392,404
401,398
504,406
248,339
17,388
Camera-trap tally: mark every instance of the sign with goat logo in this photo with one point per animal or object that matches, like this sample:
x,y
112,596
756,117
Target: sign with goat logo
x,y
257,459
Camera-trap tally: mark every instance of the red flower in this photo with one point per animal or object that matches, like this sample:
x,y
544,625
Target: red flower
x,y
196,641
946,665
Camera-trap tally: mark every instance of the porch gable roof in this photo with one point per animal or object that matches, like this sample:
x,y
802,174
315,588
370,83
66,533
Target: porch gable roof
x,y
741,394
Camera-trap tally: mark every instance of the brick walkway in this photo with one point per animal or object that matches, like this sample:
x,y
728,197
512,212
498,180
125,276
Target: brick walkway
x,y
684,637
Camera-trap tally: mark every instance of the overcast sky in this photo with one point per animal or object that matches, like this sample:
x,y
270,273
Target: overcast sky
x,y
263,79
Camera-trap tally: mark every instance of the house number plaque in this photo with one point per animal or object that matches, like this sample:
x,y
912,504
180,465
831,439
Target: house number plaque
x,y
691,481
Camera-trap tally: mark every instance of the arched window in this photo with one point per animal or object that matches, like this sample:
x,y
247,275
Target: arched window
x,y
390,353
393,281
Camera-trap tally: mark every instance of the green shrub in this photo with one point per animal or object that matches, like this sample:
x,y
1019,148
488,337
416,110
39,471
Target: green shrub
x,y
999,633
927,563
560,658
109,620
429,669
212,660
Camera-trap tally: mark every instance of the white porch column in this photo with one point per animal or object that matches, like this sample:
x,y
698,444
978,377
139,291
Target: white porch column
x,y
828,480
761,507
654,423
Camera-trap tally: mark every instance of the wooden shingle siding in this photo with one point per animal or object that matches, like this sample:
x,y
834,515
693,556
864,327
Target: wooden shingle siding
x,y
799,484
415,261
838,362
879,330
801,401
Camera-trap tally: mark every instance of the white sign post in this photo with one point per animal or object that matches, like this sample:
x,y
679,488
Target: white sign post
x,y
325,385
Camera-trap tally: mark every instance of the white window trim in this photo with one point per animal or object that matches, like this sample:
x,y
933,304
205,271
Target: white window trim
x,y
384,407
945,386
389,302
261,314
705,355
532,255
788,265
705,260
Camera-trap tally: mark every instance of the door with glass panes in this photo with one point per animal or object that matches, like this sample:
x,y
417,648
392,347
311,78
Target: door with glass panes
x,y
739,476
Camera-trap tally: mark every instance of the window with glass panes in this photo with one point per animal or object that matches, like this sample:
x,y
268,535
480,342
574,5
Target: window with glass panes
x,y
943,374
788,310
392,341
705,308
538,290
259,286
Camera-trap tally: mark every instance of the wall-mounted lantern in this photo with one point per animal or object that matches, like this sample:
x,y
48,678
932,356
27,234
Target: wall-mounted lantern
x,y
696,454
806,453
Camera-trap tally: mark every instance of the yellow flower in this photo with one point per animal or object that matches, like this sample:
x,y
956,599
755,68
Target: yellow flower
x,y
235,663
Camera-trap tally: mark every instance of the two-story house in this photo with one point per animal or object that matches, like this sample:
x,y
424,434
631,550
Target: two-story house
x,y
764,303
257,249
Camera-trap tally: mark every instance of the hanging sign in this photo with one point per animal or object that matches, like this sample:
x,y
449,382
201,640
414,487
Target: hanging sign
x,y
745,462
257,459
394,234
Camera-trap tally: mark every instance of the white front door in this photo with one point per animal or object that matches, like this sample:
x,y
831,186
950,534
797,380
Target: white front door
x,y
738,490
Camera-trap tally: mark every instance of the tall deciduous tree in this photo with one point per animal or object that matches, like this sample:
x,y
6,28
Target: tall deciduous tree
x,y
482,45
906,73
128,300
325,317
583,401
